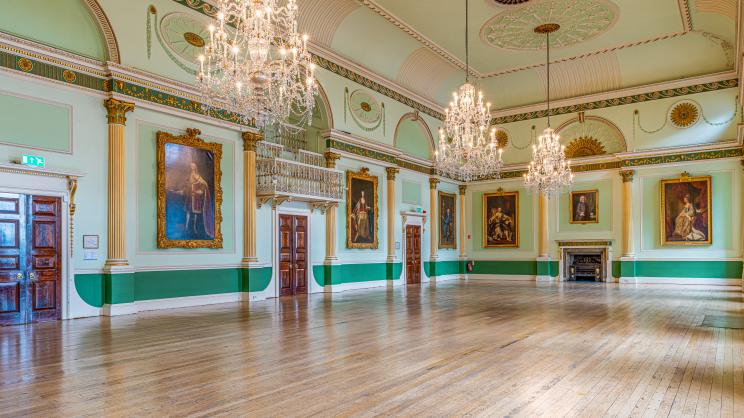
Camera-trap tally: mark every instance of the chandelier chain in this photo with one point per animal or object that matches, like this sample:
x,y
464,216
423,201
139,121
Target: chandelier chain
x,y
467,149
549,171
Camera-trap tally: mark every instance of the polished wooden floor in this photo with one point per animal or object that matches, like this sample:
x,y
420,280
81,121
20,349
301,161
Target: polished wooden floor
x,y
453,349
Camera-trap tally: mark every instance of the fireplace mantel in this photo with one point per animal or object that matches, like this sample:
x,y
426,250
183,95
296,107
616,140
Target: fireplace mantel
x,y
585,243
603,247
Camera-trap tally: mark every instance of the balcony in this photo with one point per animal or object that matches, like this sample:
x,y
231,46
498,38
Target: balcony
x,y
283,175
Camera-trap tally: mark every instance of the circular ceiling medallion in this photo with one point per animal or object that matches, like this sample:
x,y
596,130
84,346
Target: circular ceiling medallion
x,y
184,35
524,27
364,107
684,114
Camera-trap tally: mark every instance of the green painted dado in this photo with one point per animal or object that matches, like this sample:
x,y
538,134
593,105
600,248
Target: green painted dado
x,y
119,288
173,284
18,116
326,275
506,267
444,268
99,289
547,268
91,288
689,269
255,280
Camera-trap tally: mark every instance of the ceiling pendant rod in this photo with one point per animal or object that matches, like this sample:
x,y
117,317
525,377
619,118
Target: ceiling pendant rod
x,y
548,70
467,45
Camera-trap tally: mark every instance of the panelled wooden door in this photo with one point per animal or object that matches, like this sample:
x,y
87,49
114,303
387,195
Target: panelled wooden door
x,y
292,255
413,254
30,258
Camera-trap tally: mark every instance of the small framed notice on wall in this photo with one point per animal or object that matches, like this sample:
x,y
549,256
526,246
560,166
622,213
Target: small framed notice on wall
x,y
90,241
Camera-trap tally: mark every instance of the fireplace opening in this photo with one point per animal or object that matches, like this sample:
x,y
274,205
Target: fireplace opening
x,y
586,267
585,264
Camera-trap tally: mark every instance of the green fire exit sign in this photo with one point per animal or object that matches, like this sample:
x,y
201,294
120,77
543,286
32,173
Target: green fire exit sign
x,y
32,160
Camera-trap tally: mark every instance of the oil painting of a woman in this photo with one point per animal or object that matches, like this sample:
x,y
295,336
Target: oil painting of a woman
x,y
686,211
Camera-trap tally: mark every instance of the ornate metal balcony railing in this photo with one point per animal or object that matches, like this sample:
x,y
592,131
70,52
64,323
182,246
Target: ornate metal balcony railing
x,y
299,181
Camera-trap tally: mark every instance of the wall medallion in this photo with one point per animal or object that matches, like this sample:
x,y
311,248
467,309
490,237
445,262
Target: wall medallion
x,y
69,76
584,146
25,64
367,112
580,20
684,114
502,138
184,35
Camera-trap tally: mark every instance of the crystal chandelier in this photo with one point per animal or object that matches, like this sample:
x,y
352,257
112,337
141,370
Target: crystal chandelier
x,y
257,63
467,149
549,171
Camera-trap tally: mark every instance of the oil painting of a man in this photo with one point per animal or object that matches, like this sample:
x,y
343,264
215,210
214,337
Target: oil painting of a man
x,y
501,220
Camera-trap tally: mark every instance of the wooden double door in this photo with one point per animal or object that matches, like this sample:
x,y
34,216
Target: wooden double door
x,y
30,258
413,254
292,255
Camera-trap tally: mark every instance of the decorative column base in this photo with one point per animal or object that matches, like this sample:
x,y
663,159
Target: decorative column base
x,y
547,270
249,262
628,269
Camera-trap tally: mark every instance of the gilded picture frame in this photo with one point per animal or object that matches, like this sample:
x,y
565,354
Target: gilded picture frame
x,y
500,227
591,212
188,183
686,211
447,221
361,225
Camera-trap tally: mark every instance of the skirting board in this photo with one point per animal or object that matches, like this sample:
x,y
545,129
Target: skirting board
x,y
716,283
506,277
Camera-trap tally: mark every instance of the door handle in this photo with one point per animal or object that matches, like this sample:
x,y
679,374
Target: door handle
x,y
19,276
32,276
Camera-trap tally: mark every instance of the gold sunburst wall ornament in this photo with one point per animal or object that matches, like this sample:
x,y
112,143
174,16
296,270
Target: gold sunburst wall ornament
x,y
684,114
502,138
584,146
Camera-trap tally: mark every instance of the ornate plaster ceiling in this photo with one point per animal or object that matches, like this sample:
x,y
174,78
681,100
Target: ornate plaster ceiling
x,y
580,20
602,46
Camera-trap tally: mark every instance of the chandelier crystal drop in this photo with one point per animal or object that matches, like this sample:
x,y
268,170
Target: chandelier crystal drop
x,y
549,171
467,149
257,64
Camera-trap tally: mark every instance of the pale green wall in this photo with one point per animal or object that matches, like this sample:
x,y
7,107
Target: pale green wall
x,y
19,123
527,217
144,168
64,24
413,140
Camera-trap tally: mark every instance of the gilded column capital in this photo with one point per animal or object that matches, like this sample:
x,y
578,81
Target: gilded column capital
x,y
433,182
117,111
331,158
627,175
251,140
391,172
463,188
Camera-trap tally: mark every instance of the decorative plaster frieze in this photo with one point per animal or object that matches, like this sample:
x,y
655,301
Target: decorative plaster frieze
x,y
578,106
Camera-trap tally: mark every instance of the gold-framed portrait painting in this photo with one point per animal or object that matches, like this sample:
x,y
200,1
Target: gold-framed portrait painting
x,y
361,209
447,220
189,191
686,211
584,207
501,219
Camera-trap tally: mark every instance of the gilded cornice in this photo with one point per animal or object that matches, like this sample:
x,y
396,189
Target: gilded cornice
x,y
620,101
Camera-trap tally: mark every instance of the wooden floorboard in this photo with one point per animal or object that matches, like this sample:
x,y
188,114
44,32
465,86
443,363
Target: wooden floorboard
x,y
457,348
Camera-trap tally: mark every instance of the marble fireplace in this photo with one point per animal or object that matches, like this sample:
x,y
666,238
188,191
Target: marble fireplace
x,y
585,260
